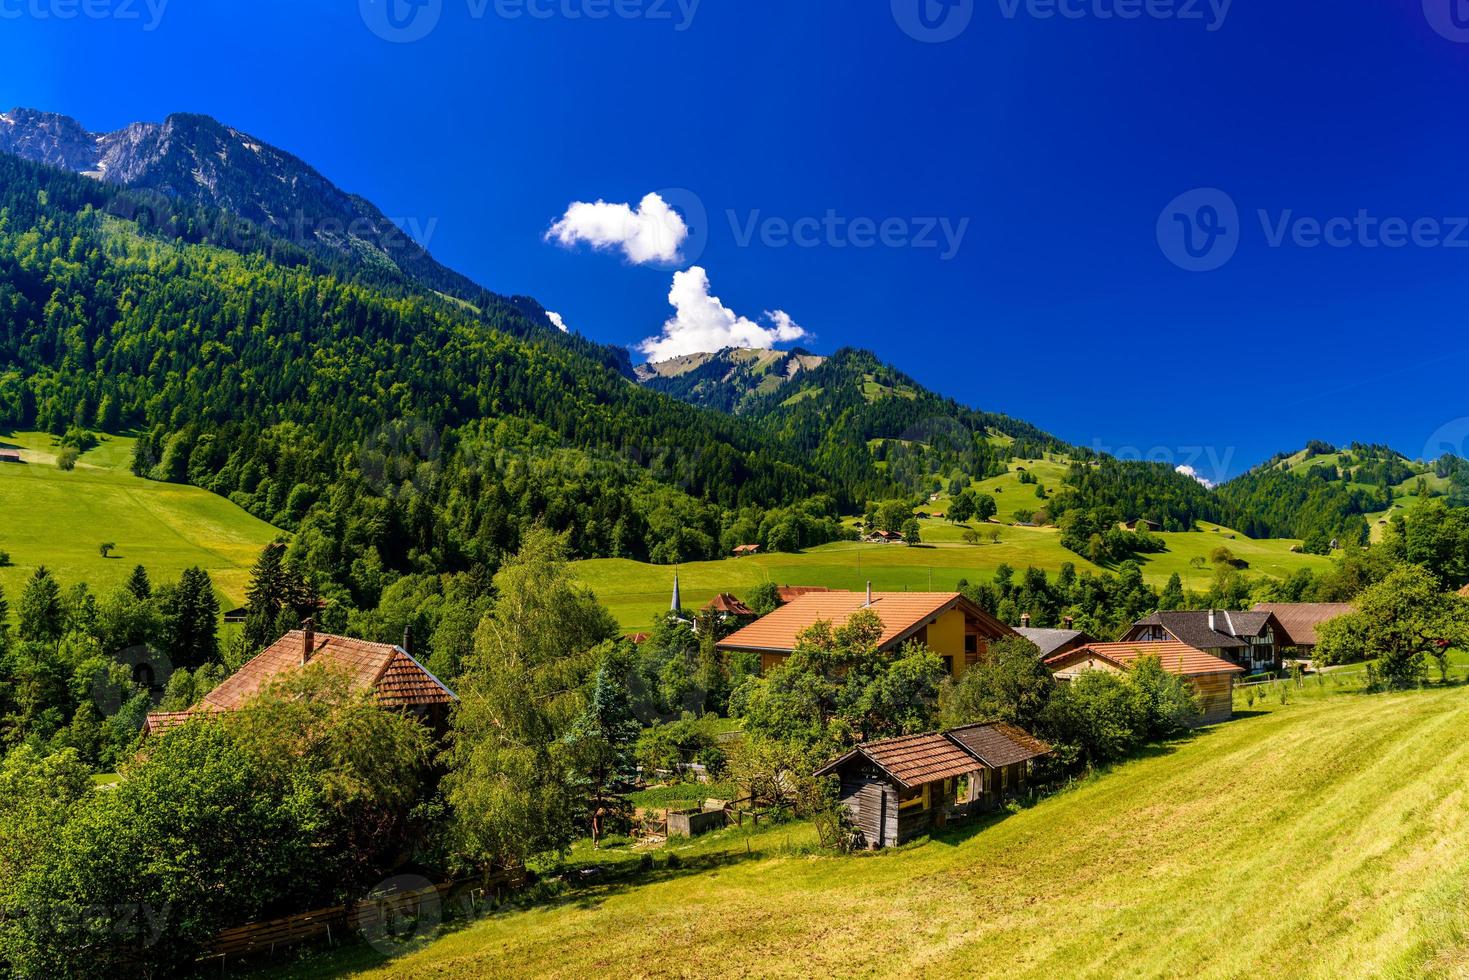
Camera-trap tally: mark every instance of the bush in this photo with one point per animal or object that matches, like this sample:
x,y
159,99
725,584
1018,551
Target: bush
x,y
66,460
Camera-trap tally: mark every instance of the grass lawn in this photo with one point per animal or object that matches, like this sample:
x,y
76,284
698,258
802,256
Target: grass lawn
x,y
637,592
58,519
1325,838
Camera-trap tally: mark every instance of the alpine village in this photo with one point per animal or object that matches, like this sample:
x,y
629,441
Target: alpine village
x,y
358,620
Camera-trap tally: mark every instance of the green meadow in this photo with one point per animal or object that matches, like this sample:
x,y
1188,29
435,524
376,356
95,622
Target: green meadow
x,y
57,519
1326,837
637,592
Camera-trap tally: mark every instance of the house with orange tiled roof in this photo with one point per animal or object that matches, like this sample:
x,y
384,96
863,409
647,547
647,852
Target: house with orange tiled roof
x,y
946,622
1210,677
390,672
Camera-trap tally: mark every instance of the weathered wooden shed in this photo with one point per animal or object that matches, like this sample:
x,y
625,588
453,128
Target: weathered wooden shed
x,y
900,788
1008,753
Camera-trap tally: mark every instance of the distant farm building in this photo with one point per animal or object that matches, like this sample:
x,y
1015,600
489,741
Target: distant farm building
x,y
1211,678
390,672
238,615
1144,523
726,607
10,456
790,593
1300,620
946,622
900,788
884,537
745,550
1250,639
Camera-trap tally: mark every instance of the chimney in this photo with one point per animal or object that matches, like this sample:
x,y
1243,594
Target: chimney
x,y
308,642
1212,619
869,596
1025,620
408,640
1070,623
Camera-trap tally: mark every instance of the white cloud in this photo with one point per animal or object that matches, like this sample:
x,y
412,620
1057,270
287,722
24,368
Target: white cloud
x,y
701,323
653,233
1187,470
556,319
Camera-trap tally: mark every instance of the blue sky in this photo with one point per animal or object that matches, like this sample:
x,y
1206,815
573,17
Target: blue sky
x,y
1057,143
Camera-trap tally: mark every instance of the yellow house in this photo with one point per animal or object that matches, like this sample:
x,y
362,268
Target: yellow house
x,y
946,622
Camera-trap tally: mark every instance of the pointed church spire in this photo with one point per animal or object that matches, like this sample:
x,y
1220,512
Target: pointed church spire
x,y
677,599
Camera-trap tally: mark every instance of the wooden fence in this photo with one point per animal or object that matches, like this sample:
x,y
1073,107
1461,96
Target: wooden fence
x,y
361,918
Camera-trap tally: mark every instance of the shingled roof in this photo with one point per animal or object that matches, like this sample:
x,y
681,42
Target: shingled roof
x,y
999,744
1048,641
903,614
1192,627
1300,619
389,672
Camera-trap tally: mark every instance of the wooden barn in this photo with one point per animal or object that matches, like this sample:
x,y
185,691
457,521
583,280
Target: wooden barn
x,y
900,788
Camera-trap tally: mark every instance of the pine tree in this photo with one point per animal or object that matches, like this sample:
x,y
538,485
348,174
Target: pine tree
x,y
42,617
1172,597
273,591
190,616
138,583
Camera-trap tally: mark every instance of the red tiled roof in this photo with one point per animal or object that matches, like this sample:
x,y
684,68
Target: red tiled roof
x,y
902,615
726,603
1464,592
787,593
394,677
1176,658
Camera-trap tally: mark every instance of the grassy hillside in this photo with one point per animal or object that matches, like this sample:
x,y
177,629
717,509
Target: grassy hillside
x,y
636,592
1325,838
58,519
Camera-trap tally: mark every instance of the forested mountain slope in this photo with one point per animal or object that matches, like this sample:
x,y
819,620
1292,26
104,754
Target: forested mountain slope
x,y
391,430
189,165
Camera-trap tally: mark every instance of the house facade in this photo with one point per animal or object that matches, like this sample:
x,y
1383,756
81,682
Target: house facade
x,y
1252,640
946,622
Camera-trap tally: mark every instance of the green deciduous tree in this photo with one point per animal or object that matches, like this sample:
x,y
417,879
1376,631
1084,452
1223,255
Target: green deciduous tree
x,y
1400,621
512,781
